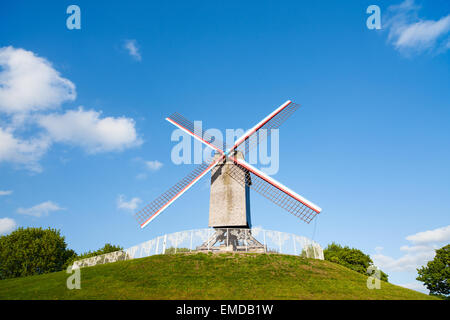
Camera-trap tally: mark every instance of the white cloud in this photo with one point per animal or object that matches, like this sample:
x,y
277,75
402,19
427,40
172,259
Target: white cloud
x,y
130,205
5,192
88,130
418,286
149,165
29,83
423,34
29,88
141,176
42,209
408,33
414,248
153,165
7,225
431,236
26,153
132,48
423,250
408,262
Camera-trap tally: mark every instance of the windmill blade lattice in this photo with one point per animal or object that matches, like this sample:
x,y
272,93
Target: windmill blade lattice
x,y
189,125
274,194
150,211
274,123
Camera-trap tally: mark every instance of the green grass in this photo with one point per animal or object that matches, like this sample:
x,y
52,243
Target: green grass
x,y
208,276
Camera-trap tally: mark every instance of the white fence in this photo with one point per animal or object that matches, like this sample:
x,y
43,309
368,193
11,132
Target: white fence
x,y
194,240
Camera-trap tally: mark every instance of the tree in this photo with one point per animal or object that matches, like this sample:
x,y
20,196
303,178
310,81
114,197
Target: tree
x,y
436,275
351,258
31,251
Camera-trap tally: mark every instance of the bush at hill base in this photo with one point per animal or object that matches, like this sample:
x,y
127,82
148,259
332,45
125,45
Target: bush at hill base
x,y
351,258
31,251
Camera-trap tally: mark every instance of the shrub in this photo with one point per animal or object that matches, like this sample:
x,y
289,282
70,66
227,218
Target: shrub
x,y
30,251
351,258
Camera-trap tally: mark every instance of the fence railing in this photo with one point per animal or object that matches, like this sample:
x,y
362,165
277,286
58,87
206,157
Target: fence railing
x,y
268,241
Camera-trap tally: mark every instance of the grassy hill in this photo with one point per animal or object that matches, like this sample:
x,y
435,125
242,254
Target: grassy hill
x,y
208,276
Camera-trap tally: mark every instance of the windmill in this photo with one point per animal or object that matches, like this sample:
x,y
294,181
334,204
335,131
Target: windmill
x,y
229,215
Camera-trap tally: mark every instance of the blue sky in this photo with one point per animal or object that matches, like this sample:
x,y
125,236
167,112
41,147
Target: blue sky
x,y
83,122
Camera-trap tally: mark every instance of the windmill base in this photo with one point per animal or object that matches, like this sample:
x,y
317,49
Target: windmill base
x,y
232,240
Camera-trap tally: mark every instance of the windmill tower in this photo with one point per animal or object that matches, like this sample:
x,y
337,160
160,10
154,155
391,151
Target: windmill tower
x,y
229,212
229,201
229,209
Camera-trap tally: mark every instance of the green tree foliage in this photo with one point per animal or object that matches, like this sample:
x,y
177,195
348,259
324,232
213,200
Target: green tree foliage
x,y
30,251
351,258
107,248
436,275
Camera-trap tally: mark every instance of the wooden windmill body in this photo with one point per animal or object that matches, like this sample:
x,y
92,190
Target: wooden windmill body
x,y
229,202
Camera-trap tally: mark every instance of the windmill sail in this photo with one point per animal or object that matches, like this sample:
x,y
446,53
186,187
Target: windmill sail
x,y
273,190
274,119
254,137
187,126
153,209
